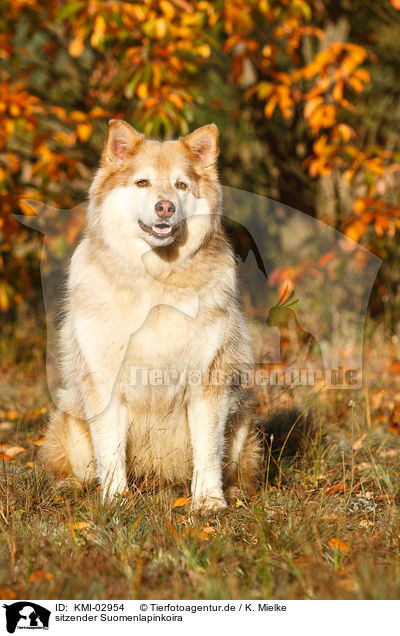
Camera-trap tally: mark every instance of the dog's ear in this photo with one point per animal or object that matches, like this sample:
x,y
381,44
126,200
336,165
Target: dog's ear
x,y
203,145
121,141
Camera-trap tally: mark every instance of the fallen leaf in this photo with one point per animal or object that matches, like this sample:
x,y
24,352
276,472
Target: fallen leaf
x,y
359,443
206,532
59,500
77,525
7,594
5,457
302,561
338,544
12,415
40,575
181,501
203,533
240,503
39,442
340,487
11,451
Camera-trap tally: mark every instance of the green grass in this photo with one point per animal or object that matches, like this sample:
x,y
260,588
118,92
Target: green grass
x,y
298,539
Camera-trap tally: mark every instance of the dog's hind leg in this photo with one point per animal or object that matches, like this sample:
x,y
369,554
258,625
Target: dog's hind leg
x,y
243,459
67,449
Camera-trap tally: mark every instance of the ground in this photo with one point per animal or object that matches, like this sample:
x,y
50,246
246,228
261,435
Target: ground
x,y
326,527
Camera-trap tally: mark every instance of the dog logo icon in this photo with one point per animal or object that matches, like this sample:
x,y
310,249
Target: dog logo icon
x,y
26,615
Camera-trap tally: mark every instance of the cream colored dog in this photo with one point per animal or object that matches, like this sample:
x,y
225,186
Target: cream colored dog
x,y
152,295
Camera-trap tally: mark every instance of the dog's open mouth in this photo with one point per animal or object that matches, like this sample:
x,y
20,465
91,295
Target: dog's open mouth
x,y
159,230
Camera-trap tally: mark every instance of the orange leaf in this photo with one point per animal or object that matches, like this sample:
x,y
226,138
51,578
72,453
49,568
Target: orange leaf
x,y
206,532
345,131
78,115
4,457
39,442
176,100
11,451
302,561
394,428
78,525
396,4
355,230
340,487
97,111
76,47
181,501
40,575
142,90
99,31
338,544
270,106
167,8
84,131
204,50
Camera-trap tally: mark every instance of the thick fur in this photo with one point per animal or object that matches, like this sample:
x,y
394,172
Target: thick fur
x,y
138,300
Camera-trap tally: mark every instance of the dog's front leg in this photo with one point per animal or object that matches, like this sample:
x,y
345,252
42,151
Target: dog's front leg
x,y
207,416
109,434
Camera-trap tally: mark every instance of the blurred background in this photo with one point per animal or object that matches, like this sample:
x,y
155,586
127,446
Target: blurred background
x,y
305,94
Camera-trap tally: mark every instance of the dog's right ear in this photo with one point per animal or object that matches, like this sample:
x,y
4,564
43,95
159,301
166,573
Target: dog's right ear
x,y
121,141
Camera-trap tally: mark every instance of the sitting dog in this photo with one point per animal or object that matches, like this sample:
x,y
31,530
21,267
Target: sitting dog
x,y
152,292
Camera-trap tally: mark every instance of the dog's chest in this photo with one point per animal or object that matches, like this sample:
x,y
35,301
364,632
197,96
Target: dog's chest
x,y
177,332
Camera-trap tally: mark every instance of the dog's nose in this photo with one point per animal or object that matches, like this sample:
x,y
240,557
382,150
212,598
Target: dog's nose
x,y
165,209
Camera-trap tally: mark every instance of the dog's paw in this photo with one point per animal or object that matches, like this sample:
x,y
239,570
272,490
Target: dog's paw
x,y
112,492
208,504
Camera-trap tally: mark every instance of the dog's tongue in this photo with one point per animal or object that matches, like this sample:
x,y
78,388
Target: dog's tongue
x,y
163,229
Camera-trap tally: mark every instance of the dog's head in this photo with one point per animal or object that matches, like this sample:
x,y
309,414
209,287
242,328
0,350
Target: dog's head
x,y
155,194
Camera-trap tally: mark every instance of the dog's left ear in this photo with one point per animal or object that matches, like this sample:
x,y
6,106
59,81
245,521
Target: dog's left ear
x,y
203,145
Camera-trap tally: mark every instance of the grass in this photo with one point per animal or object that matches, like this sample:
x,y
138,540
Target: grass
x,y
328,527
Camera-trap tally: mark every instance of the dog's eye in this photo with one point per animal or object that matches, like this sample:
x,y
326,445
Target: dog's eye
x,y
181,185
143,183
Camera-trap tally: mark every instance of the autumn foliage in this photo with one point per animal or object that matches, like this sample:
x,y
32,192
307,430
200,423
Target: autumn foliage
x,y
67,67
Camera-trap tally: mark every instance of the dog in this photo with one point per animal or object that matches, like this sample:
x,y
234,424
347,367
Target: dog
x,y
153,286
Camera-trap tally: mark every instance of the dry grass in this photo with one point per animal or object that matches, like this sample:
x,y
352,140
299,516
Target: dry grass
x,y
327,528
